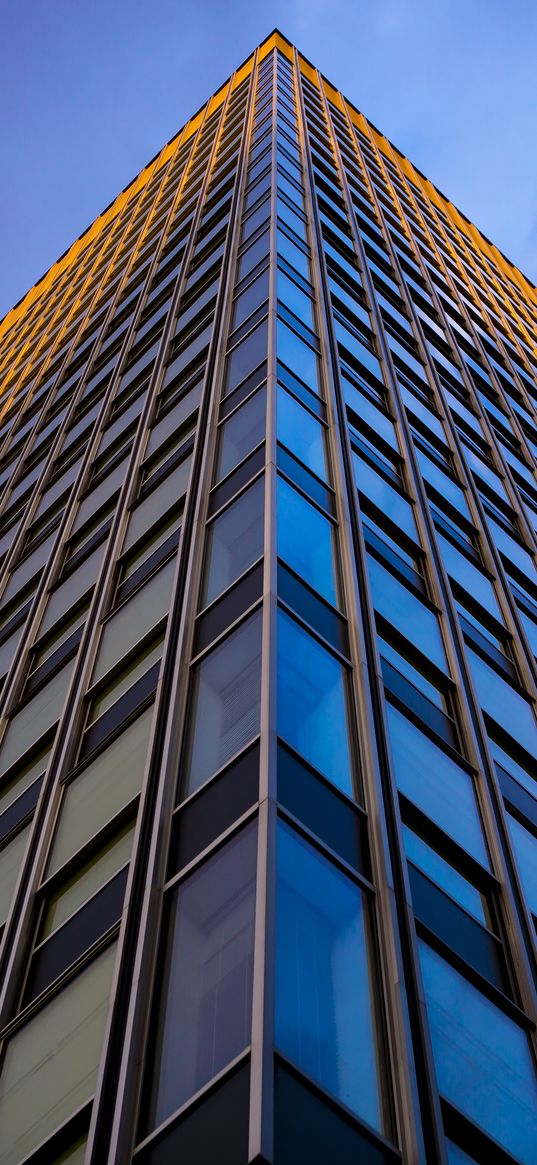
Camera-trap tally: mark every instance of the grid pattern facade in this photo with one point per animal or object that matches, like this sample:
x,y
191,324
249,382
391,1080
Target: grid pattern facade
x,y
268,626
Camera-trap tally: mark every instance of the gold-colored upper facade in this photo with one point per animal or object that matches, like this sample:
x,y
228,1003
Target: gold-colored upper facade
x,y
42,318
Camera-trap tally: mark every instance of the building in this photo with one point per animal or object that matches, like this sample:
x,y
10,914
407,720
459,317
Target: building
x,y
268,634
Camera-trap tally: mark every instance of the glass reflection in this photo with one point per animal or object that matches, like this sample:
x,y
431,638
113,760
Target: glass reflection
x,y
312,703
301,433
305,541
482,1059
206,995
226,692
234,542
324,990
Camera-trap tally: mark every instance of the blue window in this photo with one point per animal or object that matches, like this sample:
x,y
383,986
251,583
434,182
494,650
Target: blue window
x,y
246,356
503,703
504,760
469,576
457,1156
387,499
445,875
294,255
406,612
483,1060
525,847
301,433
305,541
294,298
436,784
324,989
313,703
297,355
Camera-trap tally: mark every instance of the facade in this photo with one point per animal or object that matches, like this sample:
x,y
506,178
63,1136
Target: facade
x,y
268,625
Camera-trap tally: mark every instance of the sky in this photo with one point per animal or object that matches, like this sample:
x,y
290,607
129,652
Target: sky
x,y
91,89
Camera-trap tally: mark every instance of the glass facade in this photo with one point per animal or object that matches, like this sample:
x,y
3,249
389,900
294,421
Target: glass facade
x,y
268,623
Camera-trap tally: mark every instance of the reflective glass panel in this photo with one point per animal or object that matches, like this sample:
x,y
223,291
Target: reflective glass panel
x,y
297,355
444,874
406,612
301,433
525,847
503,703
306,541
295,299
86,881
435,783
312,703
206,1013
51,1065
226,692
234,542
240,434
246,356
324,987
482,1059
92,798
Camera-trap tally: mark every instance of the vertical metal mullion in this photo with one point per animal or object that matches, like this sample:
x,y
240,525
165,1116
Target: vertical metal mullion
x,y
261,1115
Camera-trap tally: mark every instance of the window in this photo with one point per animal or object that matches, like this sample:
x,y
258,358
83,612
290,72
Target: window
x,y
306,541
503,703
464,572
445,874
406,612
225,701
298,356
301,433
206,991
134,620
26,779
250,299
161,544
50,1068
246,356
434,782
91,800
313,713
372,481
525,847
240,434
482,1059
10,863
390,548
79,914
234,542
324,978
295,298
168,456
293,253
63,903
35,718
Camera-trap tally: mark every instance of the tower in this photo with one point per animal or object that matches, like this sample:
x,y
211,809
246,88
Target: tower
x,y
268,616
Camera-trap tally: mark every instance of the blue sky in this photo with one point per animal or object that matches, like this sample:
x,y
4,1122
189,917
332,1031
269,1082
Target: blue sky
x,y
90,90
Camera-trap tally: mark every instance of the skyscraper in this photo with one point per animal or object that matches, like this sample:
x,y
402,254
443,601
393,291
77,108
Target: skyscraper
x,y
268,625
